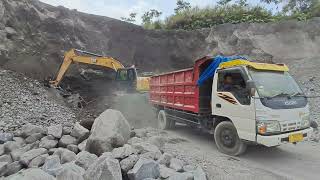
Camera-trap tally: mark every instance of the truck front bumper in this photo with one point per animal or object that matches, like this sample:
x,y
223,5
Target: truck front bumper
x,y
275,140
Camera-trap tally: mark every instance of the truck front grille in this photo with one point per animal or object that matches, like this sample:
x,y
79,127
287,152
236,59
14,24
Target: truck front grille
x,y
290,126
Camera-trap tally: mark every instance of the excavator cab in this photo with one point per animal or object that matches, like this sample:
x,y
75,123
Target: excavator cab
x,y
127,79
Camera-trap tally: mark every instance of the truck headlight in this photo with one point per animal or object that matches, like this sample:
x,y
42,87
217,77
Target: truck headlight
x,y
268,127
305,123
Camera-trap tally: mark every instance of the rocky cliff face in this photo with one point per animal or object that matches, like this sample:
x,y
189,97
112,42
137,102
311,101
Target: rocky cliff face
x,y
34,36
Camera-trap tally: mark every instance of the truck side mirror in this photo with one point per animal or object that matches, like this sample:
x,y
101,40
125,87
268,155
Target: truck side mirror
x,y
251,87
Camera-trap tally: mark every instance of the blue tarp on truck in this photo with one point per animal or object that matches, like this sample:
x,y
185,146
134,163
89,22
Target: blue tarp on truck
x,y
209,72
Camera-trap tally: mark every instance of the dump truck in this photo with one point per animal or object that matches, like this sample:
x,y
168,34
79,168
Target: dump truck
x,y
238,101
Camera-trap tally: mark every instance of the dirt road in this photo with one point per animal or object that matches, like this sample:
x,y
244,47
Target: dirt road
x,y
300,161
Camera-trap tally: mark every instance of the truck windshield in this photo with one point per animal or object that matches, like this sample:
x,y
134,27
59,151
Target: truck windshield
x,y
272,84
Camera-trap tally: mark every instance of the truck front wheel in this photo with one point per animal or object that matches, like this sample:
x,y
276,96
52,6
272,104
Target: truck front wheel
x,y
227,139
163,121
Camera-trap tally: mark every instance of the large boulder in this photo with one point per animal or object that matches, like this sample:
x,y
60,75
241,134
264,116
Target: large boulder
x,y
29,129
31,174
143,169
104,168
110,130
29,155
84,159
80,132
52,165
66,140
55,131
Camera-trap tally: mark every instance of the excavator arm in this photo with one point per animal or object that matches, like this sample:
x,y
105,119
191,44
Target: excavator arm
x,y
90,58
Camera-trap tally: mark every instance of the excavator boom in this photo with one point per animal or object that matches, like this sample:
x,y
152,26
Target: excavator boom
x,y
88,58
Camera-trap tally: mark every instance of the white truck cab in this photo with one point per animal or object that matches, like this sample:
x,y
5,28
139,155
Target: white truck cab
x,y
263,105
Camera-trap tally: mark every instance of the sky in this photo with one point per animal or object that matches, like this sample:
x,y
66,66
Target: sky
x,y
122,8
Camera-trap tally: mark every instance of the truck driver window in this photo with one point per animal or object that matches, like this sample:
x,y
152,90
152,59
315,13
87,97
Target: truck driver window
x,y
123,75
234,83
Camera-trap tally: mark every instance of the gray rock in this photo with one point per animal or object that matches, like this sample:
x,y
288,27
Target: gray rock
x,y
80,132
182,176
73,148
166,172
38,161
65,155
11,145
55,131
144,168
71,171
151,155
165,159
66,130
6,158
12,168
135,140
17,153
104,167
188,168
3,167
48,143
66,140
29,129
109,130
123,152
33,138
84,159
52,165
128,163
29,155
82,145
176,164
19,140
5,137
1,149
199,174
31,174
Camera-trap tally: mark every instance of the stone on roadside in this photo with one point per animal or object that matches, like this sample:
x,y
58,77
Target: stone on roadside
x,y
122,152
31,174
176,164
33,138
165,159
166,172
6,158
199,174
48,143
55,131
29,129
29,155
12,168
82,145
80,132
73,148
144,168
128,163
38,161
181,176
84,159
104,167
109,130
52,165
5,137
66,140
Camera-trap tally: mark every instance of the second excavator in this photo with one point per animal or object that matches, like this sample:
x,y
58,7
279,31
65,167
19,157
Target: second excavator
x,y
127,78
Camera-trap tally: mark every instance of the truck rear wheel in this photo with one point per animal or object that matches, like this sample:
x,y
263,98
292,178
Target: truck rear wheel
x,y
163,121
227,139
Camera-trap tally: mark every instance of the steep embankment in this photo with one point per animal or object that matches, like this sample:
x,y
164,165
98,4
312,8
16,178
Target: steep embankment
x,y
33,37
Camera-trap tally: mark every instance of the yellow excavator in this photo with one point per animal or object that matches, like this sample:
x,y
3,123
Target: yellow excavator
x,y
127,78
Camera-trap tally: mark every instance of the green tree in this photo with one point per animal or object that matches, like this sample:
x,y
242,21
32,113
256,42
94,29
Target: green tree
x,y
131,18
181,6
148,18
223,2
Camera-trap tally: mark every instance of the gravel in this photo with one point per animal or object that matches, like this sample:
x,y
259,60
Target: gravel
x,y
23,100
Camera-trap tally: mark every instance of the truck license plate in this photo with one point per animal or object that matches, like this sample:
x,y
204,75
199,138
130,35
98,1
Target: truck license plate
x,y
295,138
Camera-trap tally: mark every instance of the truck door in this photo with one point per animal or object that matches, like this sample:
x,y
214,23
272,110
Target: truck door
x,y
231,99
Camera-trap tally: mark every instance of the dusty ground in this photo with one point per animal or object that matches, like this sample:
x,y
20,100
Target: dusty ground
x,y
298,162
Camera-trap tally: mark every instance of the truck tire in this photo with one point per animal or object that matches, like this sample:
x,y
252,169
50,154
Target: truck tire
x,y
163,121
227,139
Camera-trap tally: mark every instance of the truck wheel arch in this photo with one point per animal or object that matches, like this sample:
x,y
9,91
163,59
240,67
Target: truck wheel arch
x,y
220,119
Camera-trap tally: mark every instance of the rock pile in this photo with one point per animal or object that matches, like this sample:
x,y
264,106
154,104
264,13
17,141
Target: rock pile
x,y
23,100
53,153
